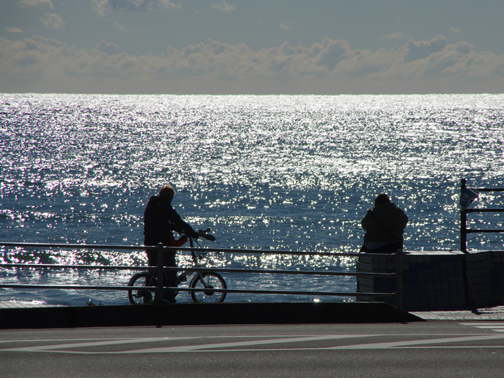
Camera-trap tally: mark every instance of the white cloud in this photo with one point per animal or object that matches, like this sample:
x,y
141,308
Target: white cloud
x,y
285,25
120,27
396,35
455,30
423,49
35,3
106,47
53,21
13,30
223,6
331,66
102,6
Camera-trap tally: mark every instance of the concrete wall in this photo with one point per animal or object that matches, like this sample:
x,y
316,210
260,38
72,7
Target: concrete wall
x,y
438,280
201,314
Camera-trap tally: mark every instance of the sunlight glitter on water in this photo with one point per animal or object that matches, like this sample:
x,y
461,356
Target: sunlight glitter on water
x,y
263,172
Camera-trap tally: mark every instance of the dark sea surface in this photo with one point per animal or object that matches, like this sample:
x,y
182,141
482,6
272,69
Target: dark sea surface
x,y
263,172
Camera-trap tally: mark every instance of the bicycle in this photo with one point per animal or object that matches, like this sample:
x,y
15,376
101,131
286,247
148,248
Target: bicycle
x,y
206,281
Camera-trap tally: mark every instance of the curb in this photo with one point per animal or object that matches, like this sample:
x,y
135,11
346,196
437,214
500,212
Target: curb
x,y
202,314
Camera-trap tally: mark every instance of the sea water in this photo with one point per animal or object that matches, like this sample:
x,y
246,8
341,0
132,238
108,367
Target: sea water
x,y
293,173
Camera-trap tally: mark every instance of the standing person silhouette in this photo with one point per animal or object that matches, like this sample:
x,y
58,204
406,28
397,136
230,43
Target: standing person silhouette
x,y
384,226
160,220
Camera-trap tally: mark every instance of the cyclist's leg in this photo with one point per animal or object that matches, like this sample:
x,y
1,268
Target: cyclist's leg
x,y
171,277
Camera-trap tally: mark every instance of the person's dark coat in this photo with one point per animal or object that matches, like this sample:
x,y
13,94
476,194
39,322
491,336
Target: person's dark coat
x,y
160,220
384,224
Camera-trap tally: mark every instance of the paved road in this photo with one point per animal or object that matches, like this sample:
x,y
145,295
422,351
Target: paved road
x,y
421,349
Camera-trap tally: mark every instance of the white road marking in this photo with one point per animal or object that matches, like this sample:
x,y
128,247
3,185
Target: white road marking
x,y
184,348
417,343
259,343
219,346
53,347
489,327
495,326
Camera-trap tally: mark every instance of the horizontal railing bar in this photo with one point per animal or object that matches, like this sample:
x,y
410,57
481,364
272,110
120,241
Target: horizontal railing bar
x,y
75,246
62,266
70,287
227,250
194,269
238,291
469,231
232,291
484,210
490,189
198,250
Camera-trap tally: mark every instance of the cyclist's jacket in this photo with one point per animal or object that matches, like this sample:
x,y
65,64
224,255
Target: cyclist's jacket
x,y
160,220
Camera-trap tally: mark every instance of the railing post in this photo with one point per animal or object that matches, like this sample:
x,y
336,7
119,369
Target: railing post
x,y
399,274
463,231
463,222
159,273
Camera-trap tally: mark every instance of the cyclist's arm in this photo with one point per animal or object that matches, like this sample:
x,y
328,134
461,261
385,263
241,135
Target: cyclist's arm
x,y
178,242
180,226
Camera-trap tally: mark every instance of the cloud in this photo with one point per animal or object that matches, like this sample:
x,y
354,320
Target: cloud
x,y
423,49
223,6
455,30
53,21
13,30
35,3
330,66
107,47
396,35
120,27
102,6
285,25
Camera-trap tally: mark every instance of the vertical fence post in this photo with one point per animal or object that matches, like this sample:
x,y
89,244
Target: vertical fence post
x,y
463,223
463,231
399,274
159,273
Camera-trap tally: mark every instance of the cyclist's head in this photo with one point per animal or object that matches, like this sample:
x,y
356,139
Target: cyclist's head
x,y
167,191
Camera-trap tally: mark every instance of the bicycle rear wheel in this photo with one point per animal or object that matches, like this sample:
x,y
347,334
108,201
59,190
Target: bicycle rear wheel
x,y
208,281
140,295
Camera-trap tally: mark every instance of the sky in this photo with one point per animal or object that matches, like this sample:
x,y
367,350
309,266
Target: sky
x,y
252,46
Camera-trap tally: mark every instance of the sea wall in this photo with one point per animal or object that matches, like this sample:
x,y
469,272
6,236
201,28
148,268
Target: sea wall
x,y
202,314
437,280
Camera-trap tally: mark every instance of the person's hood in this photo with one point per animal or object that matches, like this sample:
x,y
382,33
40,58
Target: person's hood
x,y
385,212
157,200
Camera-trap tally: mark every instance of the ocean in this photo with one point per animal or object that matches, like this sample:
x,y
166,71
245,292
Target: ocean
x,y
273,172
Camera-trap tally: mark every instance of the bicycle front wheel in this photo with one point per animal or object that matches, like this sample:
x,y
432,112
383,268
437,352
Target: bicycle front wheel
x,y
139,295
207,282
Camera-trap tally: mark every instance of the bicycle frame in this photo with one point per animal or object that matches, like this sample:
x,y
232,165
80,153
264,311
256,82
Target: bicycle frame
x,y
185,275
204,281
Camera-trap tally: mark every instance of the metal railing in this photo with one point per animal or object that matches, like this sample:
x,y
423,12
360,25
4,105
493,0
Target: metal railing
x,y
463,217
160,268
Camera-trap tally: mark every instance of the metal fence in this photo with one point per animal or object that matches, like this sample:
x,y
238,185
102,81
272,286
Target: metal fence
x,y
160,268
463,217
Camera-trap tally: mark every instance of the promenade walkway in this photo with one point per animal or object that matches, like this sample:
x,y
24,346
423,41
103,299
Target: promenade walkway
x,y
480,314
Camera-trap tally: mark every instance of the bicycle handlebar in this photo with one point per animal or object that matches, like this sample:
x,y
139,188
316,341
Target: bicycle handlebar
x,y
204,234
